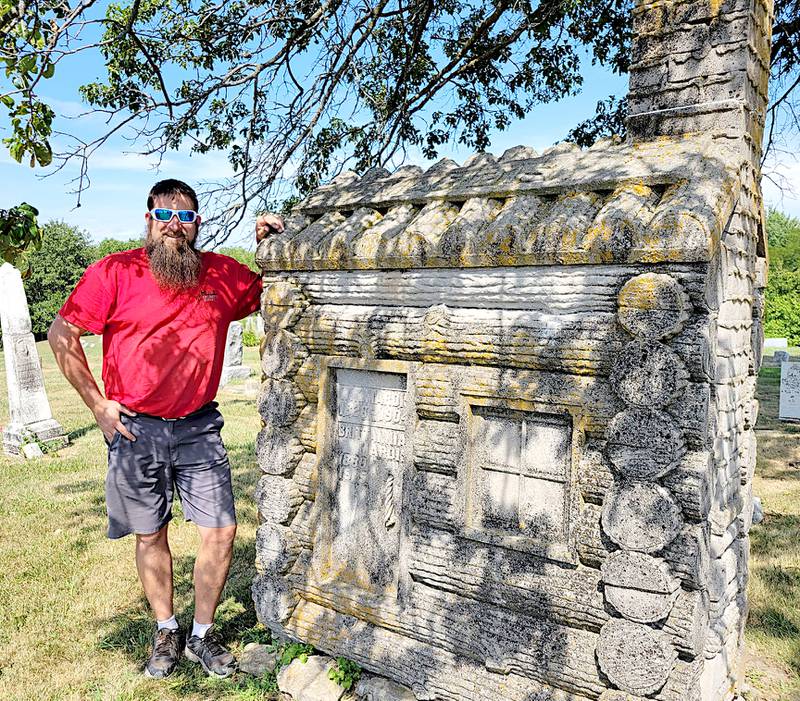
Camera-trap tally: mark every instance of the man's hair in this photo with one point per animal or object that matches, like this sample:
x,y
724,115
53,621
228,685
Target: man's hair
x,y
171,187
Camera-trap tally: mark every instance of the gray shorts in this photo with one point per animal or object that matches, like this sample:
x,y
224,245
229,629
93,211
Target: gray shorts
x,y
186,454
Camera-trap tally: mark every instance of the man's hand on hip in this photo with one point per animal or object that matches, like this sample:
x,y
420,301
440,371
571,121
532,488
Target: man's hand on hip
x,y
107,414
267,224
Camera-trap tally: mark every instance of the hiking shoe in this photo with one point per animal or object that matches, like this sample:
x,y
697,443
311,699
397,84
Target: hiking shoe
x,y
214,658
165,655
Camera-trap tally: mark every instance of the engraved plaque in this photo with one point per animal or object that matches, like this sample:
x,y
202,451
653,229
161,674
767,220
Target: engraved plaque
x,y
519,483
33,404
789,409
364,455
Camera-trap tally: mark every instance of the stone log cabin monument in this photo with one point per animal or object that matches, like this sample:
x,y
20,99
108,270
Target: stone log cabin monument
x,y
508,406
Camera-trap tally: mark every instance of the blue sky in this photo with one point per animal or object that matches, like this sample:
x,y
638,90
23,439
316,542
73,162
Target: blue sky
x,y
114,204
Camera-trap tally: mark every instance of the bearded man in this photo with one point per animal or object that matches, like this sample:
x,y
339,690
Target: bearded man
x,y
163,311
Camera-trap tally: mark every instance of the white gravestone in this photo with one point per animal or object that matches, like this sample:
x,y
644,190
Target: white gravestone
x,y
232,367
29,409
790,392
776,343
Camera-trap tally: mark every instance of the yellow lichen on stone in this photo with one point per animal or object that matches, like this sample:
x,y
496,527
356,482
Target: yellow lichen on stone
x,y
371,244
282,303
410,245
456,245
639,189
336,247
597,243
426,229
281,293
621,223
652,305
558,239
640,295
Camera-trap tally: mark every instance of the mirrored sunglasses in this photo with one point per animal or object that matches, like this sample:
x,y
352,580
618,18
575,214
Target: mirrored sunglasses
x,y
185,216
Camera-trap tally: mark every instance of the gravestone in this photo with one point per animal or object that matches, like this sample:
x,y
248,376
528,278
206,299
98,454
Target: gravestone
x,y
508,443
780,356
254,324
232,367
29,409
776,343
790,392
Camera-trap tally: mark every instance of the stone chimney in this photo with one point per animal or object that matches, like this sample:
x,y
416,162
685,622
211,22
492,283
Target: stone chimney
x,y
700,66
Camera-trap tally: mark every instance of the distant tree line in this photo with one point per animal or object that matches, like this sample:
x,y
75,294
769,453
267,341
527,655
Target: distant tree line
x,y
782,318
65,253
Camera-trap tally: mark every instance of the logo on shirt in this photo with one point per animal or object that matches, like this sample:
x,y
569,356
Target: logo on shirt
x,y
208,295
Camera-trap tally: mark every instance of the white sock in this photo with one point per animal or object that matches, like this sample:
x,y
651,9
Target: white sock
x,y
170,623
200,629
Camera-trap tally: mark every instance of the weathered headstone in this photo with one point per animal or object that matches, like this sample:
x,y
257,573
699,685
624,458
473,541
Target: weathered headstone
x,y
29,409
509,406
254,324
780,356
232,367
758,511
790,392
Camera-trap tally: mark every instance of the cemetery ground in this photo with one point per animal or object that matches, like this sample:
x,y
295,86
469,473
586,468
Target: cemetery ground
x,y
74,624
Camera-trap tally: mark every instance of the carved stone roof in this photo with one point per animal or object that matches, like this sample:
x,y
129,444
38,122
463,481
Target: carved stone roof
x,y
662,201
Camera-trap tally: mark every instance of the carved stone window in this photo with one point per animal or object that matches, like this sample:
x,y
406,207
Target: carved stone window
x,y
519,490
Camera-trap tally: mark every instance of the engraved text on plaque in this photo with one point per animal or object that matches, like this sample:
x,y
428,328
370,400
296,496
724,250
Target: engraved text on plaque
x,y
366,453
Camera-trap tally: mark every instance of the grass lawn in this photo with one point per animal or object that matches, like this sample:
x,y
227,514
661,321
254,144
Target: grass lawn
x,y
74,623
773,630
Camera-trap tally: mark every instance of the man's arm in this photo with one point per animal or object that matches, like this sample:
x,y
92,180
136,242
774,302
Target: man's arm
x,y
65,340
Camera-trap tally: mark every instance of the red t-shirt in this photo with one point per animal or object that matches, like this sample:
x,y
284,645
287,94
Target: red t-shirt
x,y
162,351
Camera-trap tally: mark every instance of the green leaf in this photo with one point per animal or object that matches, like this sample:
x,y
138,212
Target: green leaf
x,y
44,154
16,150
27,64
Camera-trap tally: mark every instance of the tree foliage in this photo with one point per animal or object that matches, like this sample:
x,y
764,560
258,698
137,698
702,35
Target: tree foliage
x,y
297,90
293,91
782,317
55,269
108,246
19,232
241,254
783,234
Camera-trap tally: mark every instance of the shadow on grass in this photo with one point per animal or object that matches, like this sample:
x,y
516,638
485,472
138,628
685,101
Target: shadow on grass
x,y
247,401
79,487
776,618
776,624
80,432
88,518
776,534
130,631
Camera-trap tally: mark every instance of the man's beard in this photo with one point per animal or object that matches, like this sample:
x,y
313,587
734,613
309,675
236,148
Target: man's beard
x,y
174,267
